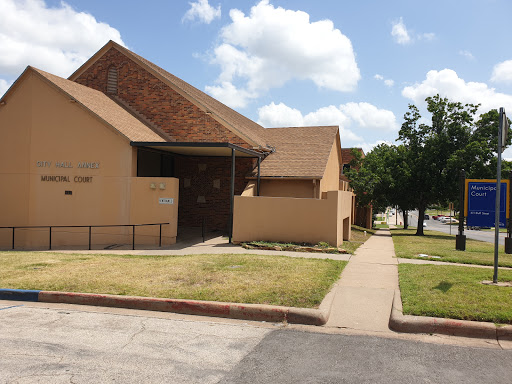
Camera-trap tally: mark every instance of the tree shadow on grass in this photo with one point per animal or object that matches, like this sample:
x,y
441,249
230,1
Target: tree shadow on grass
x,y
426,236
444,286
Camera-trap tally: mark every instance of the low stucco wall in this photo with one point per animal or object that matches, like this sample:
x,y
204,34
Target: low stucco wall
x,y
130,200
293,219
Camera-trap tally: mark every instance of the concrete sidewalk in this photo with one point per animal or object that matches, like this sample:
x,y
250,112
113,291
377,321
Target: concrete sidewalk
x,y
364,296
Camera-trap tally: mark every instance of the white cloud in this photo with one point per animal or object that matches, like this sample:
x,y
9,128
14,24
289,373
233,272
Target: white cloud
x,y
355,119
366,115
57,40
387,82
427,36
403,36
400,33
448,84
367,147
502,72
4,86
202,11
230,95
468,55
280,115
271,46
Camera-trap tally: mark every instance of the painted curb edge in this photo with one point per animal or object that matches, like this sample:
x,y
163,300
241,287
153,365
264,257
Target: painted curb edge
x,y
19,295
255,312
421,324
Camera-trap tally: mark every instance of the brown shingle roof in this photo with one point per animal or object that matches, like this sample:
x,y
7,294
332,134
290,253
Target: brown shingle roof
x,y
301,152
103,107
240,125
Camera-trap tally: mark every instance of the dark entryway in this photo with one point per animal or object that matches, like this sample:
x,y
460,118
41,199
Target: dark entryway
x,y
206,180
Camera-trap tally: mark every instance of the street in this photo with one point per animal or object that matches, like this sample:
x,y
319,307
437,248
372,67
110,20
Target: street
x,y
44,343
436,225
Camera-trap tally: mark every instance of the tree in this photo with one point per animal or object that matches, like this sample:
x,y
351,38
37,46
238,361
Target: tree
x,y
430,149
378,178
424,170
370,177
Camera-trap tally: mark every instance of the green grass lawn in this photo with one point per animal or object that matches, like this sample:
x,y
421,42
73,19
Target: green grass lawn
x,y
502,230
434,243
259,279
378,226
455,292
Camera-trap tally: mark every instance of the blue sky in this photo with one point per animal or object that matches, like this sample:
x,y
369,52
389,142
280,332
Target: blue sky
x,y
356,64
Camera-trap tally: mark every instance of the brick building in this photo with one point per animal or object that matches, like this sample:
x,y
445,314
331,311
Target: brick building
x,y
178,134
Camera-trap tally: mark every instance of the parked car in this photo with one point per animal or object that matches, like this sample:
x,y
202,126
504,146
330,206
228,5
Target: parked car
x,y
448,220
426,217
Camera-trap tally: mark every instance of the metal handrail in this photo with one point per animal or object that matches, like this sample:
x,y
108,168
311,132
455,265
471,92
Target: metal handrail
x,y
90,231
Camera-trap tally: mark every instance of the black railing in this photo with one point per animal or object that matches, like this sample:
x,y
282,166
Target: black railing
x,y
90,231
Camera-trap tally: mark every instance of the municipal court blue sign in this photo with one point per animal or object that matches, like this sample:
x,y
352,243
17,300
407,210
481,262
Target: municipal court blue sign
x,y
481,202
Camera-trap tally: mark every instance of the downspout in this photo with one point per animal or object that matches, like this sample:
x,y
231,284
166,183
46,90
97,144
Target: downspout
x,y
258,180
231,209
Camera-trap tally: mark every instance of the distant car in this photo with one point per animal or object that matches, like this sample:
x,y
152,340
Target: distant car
x,y
424,225
426,217
448,220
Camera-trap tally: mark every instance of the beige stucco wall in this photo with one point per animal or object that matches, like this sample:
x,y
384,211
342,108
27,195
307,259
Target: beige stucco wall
x,y
40,128
293,219
287,188
331,178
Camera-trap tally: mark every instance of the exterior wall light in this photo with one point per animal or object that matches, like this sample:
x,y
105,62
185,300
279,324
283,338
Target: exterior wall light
x,y
162,185
152,186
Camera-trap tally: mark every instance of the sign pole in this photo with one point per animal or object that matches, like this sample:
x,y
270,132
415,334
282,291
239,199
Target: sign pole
x,y
460,239
508,239
497,211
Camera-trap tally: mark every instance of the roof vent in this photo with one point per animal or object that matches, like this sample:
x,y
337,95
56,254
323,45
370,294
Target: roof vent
x,y
112,80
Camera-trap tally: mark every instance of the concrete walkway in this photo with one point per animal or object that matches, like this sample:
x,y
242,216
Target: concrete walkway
x,y
364,296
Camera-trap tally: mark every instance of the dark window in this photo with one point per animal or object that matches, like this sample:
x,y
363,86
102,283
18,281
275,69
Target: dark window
x,y
154,164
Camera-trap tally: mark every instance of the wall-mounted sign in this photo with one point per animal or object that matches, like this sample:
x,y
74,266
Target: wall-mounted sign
x,y
480,204
165,200
66,179
68,164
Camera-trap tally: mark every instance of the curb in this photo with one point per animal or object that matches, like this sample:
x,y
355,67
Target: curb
x,y
254,312
421,324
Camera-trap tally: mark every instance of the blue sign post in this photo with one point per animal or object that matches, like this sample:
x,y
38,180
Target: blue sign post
x,y
480,207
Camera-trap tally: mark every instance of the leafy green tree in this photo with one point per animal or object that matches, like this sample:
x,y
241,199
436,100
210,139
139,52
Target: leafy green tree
x,y
378,178
424,170
370,177
429,150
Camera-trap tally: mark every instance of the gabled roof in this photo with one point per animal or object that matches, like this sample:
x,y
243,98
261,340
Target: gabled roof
x,y
301,152
240,125
96,103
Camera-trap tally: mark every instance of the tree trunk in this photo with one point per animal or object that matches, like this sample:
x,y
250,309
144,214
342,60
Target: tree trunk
x,y
406,219
421,216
